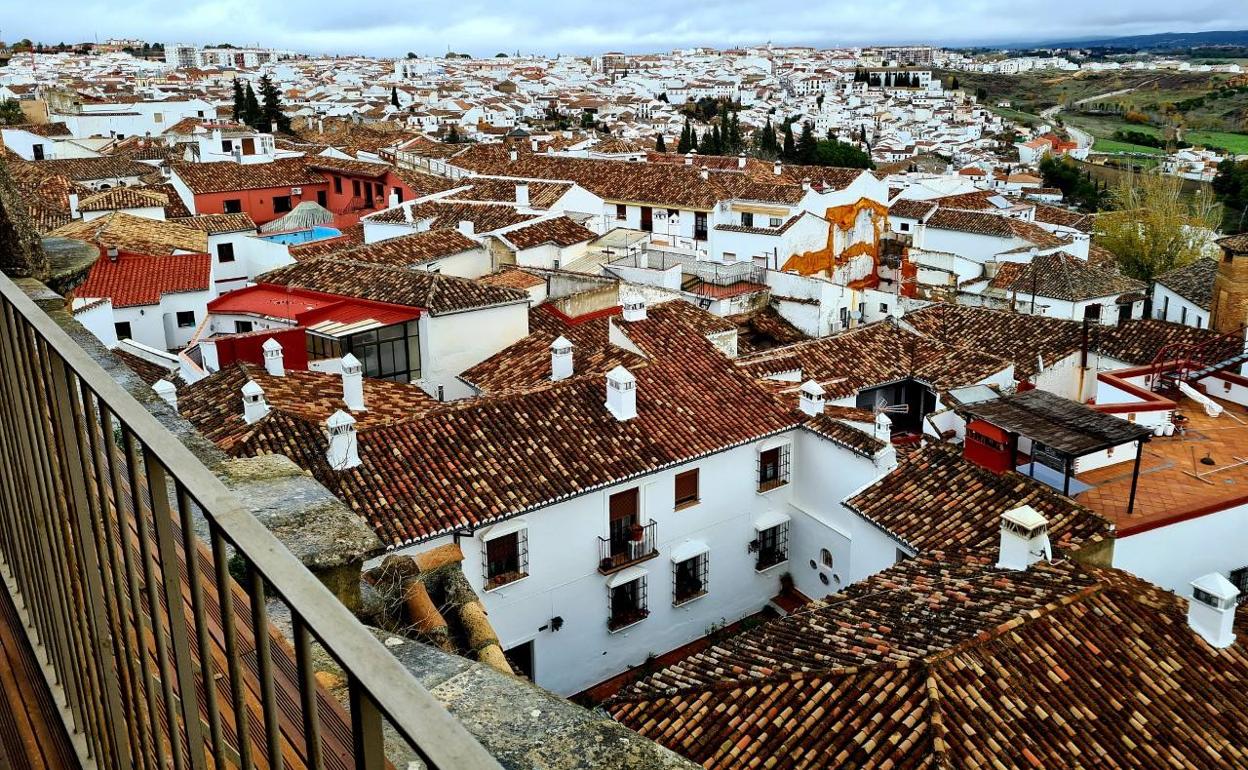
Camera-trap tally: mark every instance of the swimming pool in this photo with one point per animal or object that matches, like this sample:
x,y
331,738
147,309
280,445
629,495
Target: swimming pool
x,y
318,233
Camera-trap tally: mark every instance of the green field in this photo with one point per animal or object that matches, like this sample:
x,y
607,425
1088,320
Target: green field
x,y
1236,143
1112,145
1025,118
1103,127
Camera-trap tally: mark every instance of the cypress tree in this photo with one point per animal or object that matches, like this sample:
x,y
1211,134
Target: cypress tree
x,y
717,141
659,144
394,96
272,115
738,143
707,145
693,139
240,105
685,144
807,144
788,151
252,115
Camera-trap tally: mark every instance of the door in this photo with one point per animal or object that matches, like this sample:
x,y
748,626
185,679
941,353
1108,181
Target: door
x,y
699,225
623,512
249,145
647,219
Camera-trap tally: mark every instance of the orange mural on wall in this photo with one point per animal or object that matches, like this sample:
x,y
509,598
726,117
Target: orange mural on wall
x,y
844,221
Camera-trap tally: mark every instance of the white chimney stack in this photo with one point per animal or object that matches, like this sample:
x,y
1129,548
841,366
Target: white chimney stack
x,y
167,392
273,363
343,451
254,406
353,383
392,200
704,173
73,205
810,398
1024,539
467,228
533,145
689,158
208,355
407,214
883,428
512,155
776,168
522,193
561,367
622,394
741,160
635,310
1211,610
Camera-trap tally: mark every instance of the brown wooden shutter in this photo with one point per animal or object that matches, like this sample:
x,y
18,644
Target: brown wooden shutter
x,y
624,504
687,486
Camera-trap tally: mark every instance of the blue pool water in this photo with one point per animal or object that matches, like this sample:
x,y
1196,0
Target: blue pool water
x,y
318,233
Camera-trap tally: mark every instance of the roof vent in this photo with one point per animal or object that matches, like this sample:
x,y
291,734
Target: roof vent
x,y
635,310
1024,539
560,359
254,406
622,394
273,363
777,167
353,383
343,444
810,399
113,253
167,392
1211,610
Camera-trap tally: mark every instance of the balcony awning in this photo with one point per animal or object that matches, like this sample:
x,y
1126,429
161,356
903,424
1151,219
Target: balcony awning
x,y
688,550
504,528
771,519
626,576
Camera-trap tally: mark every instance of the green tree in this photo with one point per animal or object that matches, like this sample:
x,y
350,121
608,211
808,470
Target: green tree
x,y
240,101
272,117
659,144
394,96
1231,186
1154,226
452,135
806,144
252,114
685,144
830,152
788,150
11,113
693,139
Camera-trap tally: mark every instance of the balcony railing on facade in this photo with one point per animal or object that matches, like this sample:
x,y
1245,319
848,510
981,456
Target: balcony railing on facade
x,y
715,273
631,545
156,655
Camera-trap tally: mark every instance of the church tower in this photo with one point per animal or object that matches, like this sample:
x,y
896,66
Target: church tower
x,y
1229,310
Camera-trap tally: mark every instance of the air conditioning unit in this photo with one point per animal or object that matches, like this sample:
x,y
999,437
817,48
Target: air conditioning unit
x,y
296,191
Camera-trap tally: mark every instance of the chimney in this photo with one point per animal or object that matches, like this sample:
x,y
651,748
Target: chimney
x,y
810,399
513,156
407,214
167,392
1211,610
272,127
113,254
883,430
522,193
689,158
806,184
741,160
208,355
776,168
635,309
533,145
273,358
343,447
704,173
254,406
621,394
353,383
560,359
1024,539
392,200
73,205
467,227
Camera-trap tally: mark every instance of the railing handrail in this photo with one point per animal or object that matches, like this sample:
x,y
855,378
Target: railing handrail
x,y
396,693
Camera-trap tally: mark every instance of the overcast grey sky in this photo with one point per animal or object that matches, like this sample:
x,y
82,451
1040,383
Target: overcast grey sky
x,y
482,28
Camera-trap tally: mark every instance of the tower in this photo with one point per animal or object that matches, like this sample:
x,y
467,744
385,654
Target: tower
x,y
1229,304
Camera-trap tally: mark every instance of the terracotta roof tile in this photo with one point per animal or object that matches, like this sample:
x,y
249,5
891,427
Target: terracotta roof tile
x,y
136,279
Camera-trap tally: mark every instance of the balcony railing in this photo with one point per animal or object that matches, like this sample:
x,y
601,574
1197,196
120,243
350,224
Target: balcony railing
x,y
638,543
157,657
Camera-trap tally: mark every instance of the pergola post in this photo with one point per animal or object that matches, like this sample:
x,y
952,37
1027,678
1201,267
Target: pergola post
x,y
1135,474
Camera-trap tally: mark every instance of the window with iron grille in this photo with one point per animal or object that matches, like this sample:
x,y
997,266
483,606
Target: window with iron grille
x,y
627,604
506,558
689,578
772,546
773,468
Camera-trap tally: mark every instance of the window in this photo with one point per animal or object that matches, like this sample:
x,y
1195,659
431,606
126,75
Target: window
x,y
355,187
686,489
398,193
227,146
1183,315
622,510
122,328
825,557
689,578
699,225
225,252
772,546
506,558
905,227
281,204
773,468
322,198
186,318
775,222
883,307
378,190
158,117
338,185
521,659
232,206
627,604
621,211
243,327
747,219
36,151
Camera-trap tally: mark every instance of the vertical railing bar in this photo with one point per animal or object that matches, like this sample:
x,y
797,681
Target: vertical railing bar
x,y
131,451
190,549
126,590
264,667
307,693
153,602
72,404
225,598
171,580
366,737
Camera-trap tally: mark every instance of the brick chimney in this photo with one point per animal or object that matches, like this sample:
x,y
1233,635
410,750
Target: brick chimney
x,y
167,392
1024,539
621,394
561,367
254,406
1211,610
343,450
353,383
522,193
273,359
810,399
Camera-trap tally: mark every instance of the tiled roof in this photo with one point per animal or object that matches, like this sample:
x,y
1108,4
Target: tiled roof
x,y
1236,244
91,169
219,223
936,500
764,329
1193,282
358,168
952,663
560,231
137,279
911,209
485,218
414,288
542,195
412,249
117,198
148,371
994,225
874,354
1138,342
422,184
1054,215
43,129
136,234
839,432
1062,276
512,277
1022,338
175,208
227,176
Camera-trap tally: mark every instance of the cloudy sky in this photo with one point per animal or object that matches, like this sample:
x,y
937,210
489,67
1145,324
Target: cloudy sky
x,y
483,28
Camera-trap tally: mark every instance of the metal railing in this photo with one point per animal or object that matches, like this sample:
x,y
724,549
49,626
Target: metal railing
x,y
716,273
634,544
157,657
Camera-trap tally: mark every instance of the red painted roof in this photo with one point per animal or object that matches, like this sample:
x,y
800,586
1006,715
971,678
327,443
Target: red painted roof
x,y
137,279
308,308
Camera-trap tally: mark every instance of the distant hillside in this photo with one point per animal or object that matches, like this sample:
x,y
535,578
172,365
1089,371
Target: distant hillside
x,y
1164,40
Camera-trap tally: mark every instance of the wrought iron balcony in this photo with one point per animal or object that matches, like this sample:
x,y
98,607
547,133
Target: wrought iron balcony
x,y
627,547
